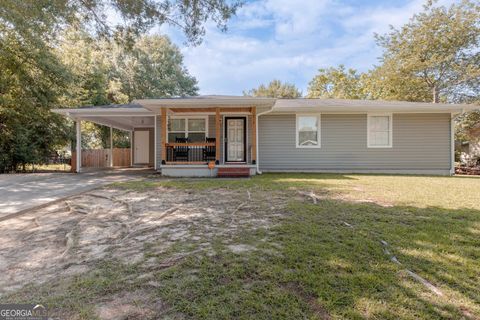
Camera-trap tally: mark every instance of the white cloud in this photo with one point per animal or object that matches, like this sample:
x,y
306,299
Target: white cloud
x,y
290,40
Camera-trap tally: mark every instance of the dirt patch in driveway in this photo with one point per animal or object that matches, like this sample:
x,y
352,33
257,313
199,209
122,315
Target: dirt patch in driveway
x,y
132,227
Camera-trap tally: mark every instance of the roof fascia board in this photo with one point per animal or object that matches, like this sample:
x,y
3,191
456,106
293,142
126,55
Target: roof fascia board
x,y
364,111
349,109
192,103
329,103
118,112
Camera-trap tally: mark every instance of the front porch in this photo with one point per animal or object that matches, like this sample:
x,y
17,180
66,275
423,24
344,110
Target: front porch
x,y
207,141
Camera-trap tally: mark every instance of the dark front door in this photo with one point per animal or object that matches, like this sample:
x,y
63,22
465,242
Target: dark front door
x,y
235,138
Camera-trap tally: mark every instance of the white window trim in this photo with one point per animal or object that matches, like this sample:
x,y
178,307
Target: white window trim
x,y
390,129
319,130
186,124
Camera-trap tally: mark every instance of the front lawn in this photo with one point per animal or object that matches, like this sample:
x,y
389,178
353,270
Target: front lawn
x,y
293,246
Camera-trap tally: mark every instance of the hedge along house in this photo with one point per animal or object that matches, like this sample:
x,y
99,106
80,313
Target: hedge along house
x,y
232,136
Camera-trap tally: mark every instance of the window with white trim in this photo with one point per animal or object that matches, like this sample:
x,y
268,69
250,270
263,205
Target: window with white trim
x,y
193,128
379,131
308,131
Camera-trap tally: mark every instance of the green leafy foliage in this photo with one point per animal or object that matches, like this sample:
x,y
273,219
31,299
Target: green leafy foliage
x,y
107,72
438,46
153,68
43,67
387,82
44,18
434,57
30,83
336,83
275,89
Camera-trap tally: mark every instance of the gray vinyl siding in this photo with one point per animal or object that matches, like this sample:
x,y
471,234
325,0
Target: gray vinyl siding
x,y
420,142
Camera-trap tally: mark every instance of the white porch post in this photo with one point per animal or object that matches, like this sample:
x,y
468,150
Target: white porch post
x,y
111,146
131,149
155,143
79,145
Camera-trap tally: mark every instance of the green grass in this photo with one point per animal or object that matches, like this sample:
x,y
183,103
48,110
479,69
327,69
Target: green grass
x,y
312,265
419,191
323,267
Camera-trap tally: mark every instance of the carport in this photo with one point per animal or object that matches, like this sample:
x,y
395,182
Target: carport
x,y
133,118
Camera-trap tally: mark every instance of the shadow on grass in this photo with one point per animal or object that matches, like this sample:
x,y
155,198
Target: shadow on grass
x,y
344,270
349,264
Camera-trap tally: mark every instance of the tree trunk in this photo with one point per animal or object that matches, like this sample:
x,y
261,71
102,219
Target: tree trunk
x,y
436,94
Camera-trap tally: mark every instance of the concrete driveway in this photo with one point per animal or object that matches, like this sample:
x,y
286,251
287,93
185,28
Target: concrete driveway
x,y
20,192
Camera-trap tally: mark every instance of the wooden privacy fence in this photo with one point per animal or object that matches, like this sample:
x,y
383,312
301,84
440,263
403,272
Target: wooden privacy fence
x,y
121,157
100,158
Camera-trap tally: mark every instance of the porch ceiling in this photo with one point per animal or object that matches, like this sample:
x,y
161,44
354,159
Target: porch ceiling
x,y
123,122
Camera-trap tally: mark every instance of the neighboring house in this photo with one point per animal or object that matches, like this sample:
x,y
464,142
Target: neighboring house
x,y
224,135
470,150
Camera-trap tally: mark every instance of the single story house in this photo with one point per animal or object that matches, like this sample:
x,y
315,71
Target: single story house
x,y
229,135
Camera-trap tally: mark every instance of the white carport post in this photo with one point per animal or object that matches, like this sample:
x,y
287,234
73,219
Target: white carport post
x,y
111,146
155,143
79,145
131,149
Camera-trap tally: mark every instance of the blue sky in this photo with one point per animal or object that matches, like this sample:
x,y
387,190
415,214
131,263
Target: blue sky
x,y
290,40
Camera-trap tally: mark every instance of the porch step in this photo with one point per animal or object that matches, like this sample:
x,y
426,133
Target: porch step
x,y
233,172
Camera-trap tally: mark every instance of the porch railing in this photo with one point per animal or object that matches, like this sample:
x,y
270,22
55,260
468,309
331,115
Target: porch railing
x,y
190,152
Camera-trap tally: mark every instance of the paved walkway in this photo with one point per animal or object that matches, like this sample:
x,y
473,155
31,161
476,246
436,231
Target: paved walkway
x,y
19,192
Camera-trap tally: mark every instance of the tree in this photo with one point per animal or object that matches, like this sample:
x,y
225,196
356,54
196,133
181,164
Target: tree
x,y
275,89
88,60
153,68
30,83
337,83
106,72
388,83
44,17
438,47
34,79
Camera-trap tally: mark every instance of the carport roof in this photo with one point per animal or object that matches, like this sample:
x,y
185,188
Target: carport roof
x,y
131,109
119,116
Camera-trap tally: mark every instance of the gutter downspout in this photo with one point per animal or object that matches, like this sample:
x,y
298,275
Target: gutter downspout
x,y
256,138
155,143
